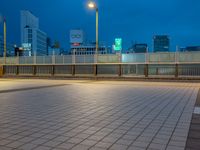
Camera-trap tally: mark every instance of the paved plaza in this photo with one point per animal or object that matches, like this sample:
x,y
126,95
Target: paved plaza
x,y
95,115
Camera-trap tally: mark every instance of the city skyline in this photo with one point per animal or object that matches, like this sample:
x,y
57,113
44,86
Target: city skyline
x,y
138,21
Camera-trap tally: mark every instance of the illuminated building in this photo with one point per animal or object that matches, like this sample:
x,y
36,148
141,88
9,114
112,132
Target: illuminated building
x,y
161,43
33,40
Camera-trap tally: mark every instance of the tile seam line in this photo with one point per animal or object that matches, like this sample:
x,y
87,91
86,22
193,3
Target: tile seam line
x,y
31,88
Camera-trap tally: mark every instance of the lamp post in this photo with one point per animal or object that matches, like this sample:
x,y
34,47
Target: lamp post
x,y
92,5
4,29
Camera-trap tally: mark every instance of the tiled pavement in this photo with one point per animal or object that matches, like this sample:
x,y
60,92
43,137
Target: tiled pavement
x,y
96,116
193,141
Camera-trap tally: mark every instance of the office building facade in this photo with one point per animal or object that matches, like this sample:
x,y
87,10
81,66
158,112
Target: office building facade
x,y
190,49
140,48
78,46
33,40
161,43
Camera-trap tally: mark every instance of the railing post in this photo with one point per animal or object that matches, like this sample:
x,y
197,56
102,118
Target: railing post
x,y
120,70
176,57
34,58
4,69
53,58
73,70
34,70
17,70
95,70
1,70
176,70
119,58
146,70
17,58
73,59
53,70
146,57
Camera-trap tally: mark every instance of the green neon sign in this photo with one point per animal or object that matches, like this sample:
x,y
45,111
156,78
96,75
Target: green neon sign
x,y
118,44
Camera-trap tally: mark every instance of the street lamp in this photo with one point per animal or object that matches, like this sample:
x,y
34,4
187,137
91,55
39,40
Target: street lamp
x,y
4,28
92,5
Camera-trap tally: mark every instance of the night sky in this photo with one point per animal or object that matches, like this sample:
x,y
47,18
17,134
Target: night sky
x,y
132,20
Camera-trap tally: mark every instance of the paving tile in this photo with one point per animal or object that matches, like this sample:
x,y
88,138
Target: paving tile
x,y
103,145
118,147
5,148
96,148
15,144
75,140
136,148
88,142
175,148
28,146
156,146
81,147
133,115
124,142
42,148
4,142
66,146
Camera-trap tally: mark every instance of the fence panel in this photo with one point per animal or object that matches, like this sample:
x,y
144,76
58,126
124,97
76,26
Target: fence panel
x,y
11,60
133,70
133,58
189,57
63,70
108,58
59,59
26,60
162,70
154,57
90,59
43,70
111,70
80,59
84,70
25,70
68,59
167,57
10,70
189,70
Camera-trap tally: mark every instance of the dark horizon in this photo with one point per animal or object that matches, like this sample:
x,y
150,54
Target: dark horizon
x,y
133,21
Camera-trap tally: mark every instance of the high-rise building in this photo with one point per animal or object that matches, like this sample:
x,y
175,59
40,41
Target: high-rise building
x,y
190,49
140,48
161,43
33,40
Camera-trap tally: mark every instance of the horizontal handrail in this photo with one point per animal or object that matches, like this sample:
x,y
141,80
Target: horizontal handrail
x,y
136,58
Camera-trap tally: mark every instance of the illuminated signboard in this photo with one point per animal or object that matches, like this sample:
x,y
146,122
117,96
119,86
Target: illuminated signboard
x,y
26,46
76,44
118,44
76,36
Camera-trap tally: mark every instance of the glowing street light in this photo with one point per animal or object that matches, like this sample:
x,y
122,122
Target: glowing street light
x,y
92,5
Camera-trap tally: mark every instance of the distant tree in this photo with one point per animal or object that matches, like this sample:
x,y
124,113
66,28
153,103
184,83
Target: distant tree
x,y
56,44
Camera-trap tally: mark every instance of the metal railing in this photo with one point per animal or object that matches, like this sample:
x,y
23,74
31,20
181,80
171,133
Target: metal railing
x,y
184,64
143,58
